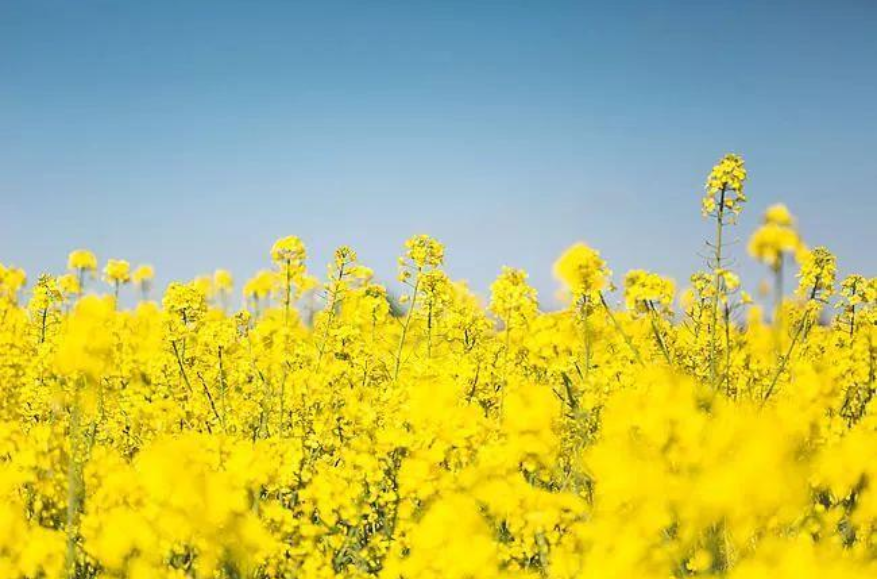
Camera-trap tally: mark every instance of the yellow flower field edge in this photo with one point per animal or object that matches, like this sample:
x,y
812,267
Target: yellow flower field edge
x,y
327,429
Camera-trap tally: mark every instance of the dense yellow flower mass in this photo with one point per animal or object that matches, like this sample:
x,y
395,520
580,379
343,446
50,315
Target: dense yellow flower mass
x,y
326,429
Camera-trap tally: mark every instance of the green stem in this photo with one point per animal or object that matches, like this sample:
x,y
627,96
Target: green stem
x,y
728,346
405,329
74,486
222,385
286,293
784,361
718,264
779,288
331,314
587,346
802,328
619,329
656,333
81,280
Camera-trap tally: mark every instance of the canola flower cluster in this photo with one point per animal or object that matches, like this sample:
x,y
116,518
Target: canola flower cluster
x,y
641,431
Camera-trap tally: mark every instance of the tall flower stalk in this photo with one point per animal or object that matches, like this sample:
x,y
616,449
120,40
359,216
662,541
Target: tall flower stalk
x,y
723,201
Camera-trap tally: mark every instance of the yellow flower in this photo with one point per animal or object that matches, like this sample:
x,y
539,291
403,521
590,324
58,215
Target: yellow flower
x,y
724,188
776,238
185,301
223,280
12,279
143,273
511,296
817,275
425,251
82,260
645,291
69,284
260,285
87,341
288,250
778,214
422,253
699,562
582,271
117,271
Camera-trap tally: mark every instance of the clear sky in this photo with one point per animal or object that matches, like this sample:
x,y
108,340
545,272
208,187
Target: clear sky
x,y
191,135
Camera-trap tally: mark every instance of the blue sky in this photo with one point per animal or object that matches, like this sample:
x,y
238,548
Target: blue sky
x,y
190,135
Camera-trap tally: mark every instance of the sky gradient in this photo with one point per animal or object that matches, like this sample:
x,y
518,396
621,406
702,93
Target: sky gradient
x,y
191,135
